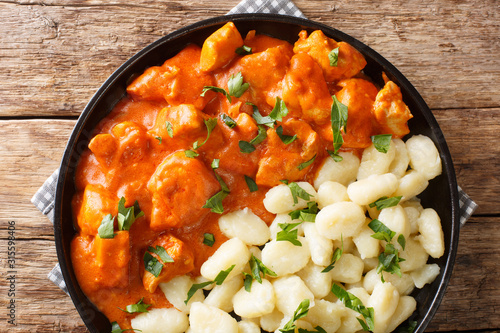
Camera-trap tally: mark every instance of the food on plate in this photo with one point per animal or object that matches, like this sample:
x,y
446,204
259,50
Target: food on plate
x,y
251,184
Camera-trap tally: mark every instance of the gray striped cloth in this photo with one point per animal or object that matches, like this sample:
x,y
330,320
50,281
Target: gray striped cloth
x,y
44,198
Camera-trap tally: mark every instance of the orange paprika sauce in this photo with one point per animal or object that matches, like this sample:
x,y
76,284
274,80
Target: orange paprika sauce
x,y
138,153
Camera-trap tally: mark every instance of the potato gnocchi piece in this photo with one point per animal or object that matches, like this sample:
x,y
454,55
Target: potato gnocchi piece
x,y
374,162
406,306
395,219
341,219
271,322
260,300
384,300
425,274
331,192
424,156
282,257
286,301
348,269
401,160
232,252
431,233
410,185
343,172
366,191
321,248
247,326
279,199
155,321
245,225
367,246
221,296
209,319
176,291
318,283
414,255
403,284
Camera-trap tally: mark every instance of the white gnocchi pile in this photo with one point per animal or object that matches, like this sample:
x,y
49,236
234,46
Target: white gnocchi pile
x,y
343,192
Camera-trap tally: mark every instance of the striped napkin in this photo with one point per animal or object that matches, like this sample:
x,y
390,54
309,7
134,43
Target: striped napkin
x,y
44,198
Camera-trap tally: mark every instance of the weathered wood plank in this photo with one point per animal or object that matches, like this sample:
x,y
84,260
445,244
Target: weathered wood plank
x,y
59,52
471,301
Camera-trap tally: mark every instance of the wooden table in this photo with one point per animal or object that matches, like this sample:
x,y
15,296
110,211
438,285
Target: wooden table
x,y
54,55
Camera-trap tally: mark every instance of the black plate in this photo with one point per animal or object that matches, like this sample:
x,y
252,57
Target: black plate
x,y
441,194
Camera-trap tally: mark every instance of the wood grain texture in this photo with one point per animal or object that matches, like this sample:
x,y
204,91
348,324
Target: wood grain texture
x,y
57,53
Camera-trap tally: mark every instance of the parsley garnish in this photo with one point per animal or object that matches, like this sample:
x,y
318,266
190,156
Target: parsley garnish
x,y
151,264
170,130
216,89
215,202
288,233
137,307
257,267
208,239
247,282
230,122
382,142
385,202
286,139
306,163
106,228
336,157
336,256
115,328
159,138
333,56
235,85
210,123
307,214
252,185
127,216
246,147
191,153
388,261
298,192
339,116
161,252
301,312
352,302
279,111
317,329
219,279
243,50
259,119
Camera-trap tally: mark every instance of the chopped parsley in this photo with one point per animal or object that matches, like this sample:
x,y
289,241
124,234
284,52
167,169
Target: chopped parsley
x,y
252,185
219,279
385,202
208,239
306,163
299,313
216,89
235,85
335,257
106,229
137,307
127,216
230,122
382,142
289,233
214,203
246,147
352,302
307,214
279,111
339,114
243,50
286,139
159,138
333,56
257,267
170,130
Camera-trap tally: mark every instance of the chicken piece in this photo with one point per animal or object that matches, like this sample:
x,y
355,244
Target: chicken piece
x,y
178,81
305,92
180,186
281,161
112,256
92,206
265,70
104,147
391,113
350,62
358,95
132,141
219,48
183,261
259,43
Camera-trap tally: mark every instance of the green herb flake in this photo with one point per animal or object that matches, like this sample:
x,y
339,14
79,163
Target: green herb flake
x,y
137,308
216,89
410,328
307,214
243,50
298,192
115,328
208,239
161,252
159,138
261,136
214,203
307,163
382,232
385,202
247,282
333,56
382,142
106,229
252,185
194,288
127,216
279,111
352,302
235,85
286,139
152,265
336,157
219,279
257,267
317,329
230,122
339,114
246,147
259,119
215,163
191,153
299,313
288,233
335,257
170,129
